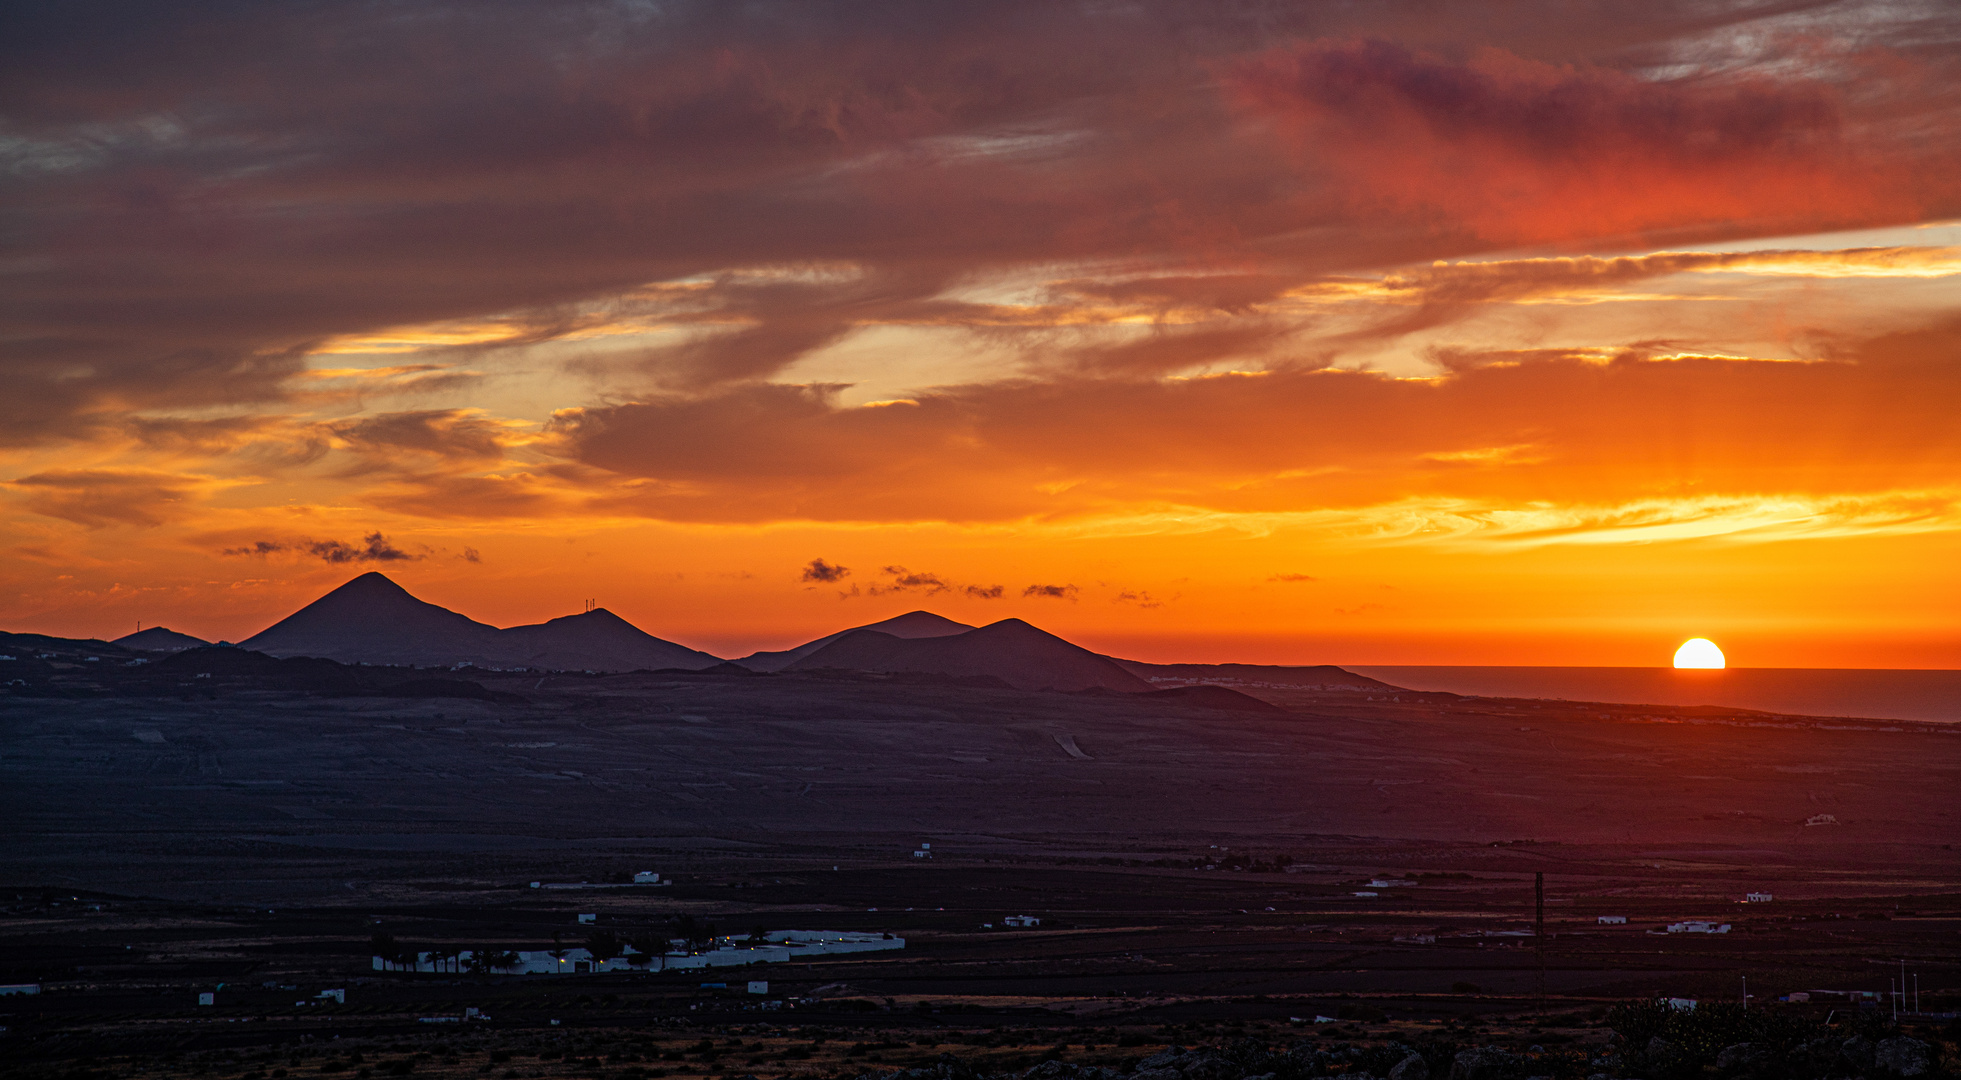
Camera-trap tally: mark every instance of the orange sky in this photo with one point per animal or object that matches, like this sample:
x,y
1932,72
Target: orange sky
x,y
1510,334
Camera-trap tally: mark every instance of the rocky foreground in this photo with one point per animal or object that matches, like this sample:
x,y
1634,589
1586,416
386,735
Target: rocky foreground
x,y
1823,1058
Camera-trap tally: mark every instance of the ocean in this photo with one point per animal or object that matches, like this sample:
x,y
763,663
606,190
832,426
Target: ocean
x,y
1877,693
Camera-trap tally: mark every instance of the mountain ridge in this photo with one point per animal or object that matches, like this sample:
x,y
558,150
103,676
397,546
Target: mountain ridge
x,y
913,624
1020,654
160,639
372,619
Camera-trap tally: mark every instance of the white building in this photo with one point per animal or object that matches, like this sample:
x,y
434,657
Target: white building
x,y
1612,920
1698,926
649,877
1757,898
1366,895
1021,920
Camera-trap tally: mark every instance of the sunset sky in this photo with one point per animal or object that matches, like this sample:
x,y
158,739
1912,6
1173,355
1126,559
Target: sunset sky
x,y
1470,333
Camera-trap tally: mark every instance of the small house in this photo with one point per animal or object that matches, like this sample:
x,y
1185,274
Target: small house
x,y
1757,898
1021,920
1612,920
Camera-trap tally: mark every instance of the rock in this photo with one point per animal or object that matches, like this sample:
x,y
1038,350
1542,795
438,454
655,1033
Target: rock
x,y
1485,1063
1857,1051
1165,1059
1412,1067
1157,1074
1062,1070
945,1067
1742,1056
1904,1056
1205,1065
1659,1047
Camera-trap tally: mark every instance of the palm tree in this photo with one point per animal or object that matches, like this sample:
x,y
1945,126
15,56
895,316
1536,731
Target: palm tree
x,y
386,947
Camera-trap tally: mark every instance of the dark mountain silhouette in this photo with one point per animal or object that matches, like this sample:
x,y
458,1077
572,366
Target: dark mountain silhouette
x,y
23,646
373,620
599,640
158,639
913,624
1010,650
1319,677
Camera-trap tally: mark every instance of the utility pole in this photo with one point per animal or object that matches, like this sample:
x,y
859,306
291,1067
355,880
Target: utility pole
x,y
1746,991
1539,930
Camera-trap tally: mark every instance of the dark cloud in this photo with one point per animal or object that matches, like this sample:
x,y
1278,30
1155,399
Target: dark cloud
x,y
374,547
899,579
450,436
821,571
1053,592
196,196
1521,149
96,498
1142,598
1293,577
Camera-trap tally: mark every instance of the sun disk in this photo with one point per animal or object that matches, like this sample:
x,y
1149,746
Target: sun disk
x,y
1699,653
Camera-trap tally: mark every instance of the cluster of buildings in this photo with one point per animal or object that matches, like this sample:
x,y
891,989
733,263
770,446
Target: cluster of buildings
x,y
776,947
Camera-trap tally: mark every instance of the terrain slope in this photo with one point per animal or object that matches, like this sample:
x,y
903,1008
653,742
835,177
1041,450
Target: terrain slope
x,y
913,624
1016,653
373,620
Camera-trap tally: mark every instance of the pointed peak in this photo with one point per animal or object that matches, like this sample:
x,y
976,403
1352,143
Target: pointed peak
x,y
374,581
1014,624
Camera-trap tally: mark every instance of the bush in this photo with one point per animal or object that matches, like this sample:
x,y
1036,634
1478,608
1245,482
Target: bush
x,y
1693,1038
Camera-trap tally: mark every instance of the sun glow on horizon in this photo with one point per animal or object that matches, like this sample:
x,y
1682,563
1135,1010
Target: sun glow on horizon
x,y
1700,653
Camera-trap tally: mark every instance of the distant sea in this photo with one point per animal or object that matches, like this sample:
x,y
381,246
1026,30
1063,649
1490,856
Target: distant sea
x,y
1877,693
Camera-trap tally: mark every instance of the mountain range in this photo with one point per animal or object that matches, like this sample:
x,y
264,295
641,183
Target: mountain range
x,y
373,620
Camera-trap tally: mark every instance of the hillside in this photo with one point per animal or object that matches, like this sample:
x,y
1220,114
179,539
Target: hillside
x,y
913,624
1011,650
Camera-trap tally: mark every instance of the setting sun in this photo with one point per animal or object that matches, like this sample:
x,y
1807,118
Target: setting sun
x,y
1699,653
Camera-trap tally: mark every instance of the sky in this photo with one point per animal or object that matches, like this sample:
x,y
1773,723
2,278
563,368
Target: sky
x,y
1418,333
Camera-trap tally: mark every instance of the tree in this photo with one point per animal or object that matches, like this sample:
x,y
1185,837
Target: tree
x,y
387,948
485,960
557,951
698,935
645,948
604,945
